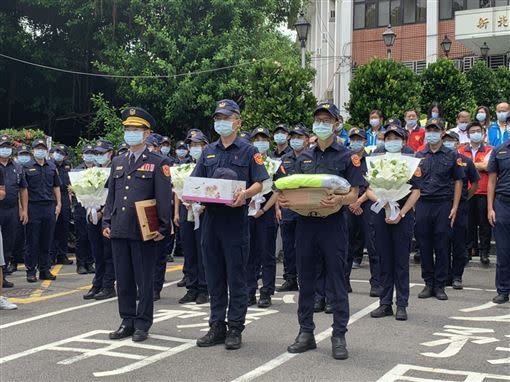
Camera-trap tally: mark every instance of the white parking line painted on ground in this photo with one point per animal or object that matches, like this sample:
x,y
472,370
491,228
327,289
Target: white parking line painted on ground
x,y
284,357
66,310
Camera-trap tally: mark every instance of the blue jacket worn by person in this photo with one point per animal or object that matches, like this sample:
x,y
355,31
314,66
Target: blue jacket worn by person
x,y
494,135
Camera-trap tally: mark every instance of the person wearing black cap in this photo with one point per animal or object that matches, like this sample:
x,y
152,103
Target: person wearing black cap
x,y
361,231
16,195
181,152
393,237
286,217
138,175
263,230
100,246
196,284
324,239
225,234
61,235
458,255
280,137
123,148
44,206
84,258
165,146
437,208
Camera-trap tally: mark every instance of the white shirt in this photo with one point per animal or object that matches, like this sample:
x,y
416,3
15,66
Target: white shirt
x,y
463,135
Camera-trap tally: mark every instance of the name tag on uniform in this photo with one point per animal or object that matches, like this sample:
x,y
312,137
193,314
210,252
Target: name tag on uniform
x,y
307,161
147,167
502,152
31,169
211,156
286,161
119,168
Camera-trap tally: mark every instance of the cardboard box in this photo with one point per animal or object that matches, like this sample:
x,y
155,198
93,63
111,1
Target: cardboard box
x,y
306,201
209,190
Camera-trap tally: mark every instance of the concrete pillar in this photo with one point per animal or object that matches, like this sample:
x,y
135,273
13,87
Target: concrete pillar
x,y
432,30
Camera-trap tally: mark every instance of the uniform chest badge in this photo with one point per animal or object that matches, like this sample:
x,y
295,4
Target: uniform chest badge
x,y
307,161
147,167
31,169
211,156
417,137
356,161
258,159
119,168
166,170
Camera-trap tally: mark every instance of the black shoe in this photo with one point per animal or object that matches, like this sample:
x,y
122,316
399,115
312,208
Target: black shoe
x,y
202,298
47,275
170,258
375,291
457,284
105,294
252,299
157,296
339,348
288,286
215,336
7,284
64,260
81,270
140,335
190,296
302,343
484,258
449,282
11,268
234,339
401,314
31,278
182,283
264,301
90,269
122,332
328,308
91,293
501,298
440,294
417,258
427,292
319,305
382,311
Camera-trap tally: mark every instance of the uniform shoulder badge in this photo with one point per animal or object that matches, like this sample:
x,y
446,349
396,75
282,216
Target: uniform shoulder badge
x,y
356,161
417,137
461,163
166,170
282,169
258,159
417,173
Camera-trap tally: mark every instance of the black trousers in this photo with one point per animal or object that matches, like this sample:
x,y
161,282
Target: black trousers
x,y
479,229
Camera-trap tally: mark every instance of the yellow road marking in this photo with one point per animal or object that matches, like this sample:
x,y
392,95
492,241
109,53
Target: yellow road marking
x,y
46,283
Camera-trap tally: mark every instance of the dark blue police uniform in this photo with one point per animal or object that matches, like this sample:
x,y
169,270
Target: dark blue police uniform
x,y
225,235
325,238
499,163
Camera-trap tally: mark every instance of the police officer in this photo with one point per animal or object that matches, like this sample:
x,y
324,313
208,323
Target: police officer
x,y
123,148
13,209
225,235
286,217
165,148
324,239
44,206
435,212
100,246
498,205
136,176
61,235
196,284
281,138
181,152
458,255
393,237
263,229
84,258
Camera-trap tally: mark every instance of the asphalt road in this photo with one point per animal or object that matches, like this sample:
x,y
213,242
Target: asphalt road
x,y
55,335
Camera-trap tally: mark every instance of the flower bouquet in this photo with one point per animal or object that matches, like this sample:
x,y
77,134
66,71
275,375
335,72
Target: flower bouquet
x,y
271,165
179,174
388,176
89,186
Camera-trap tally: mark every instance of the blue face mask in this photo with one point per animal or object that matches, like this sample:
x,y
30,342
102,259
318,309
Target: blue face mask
x,y
23,158
502,116
223,128
434,114
356,146
280,138
379,143
195,152
40,153
297,144
165,150
5,152
262,146
449,144
393,146
181,153
323,130
374,122
102,159
476,137
90,158
481,117
133,138
58,157
462,126
432,137
411,122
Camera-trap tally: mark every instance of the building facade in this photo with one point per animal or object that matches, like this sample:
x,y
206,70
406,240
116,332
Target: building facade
x,y
348,33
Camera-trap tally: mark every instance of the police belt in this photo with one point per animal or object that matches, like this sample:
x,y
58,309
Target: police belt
x,y
42,202
436,199
503,198
8,206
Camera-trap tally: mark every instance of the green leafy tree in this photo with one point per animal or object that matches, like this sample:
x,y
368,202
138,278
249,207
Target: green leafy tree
x,y
106,122
444,83
386,85
503,83
483,84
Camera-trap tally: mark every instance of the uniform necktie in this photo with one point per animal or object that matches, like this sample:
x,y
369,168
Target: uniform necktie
x,y
131,160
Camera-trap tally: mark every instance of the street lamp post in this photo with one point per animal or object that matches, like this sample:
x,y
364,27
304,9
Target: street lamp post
x,y
446,45
302,27
484,50
389,39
